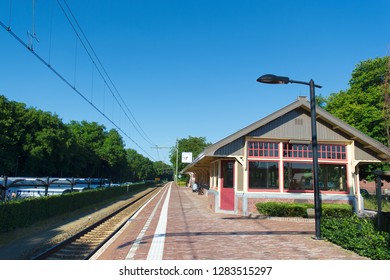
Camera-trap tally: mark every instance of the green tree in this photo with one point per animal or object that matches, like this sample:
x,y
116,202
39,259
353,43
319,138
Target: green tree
x,y
37,143
86,141
363,104
141,167
45,142
11,136
191,144
163,170
32,142
113,155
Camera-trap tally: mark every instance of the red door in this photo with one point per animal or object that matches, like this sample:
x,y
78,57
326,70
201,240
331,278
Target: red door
x,y
227,185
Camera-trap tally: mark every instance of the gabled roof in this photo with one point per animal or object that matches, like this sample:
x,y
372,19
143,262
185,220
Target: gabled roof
x,y
302,102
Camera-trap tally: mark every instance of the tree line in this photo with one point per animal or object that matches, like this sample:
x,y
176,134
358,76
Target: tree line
x,y
37,143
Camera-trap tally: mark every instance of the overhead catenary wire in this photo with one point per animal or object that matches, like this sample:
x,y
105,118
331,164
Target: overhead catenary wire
x,y
10,13
33,34
15,36
94,58
133,121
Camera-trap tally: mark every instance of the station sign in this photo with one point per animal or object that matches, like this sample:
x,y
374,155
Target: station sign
x,y
186,157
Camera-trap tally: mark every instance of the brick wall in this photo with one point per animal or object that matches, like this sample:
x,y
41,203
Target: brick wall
x,y
211,201
371,187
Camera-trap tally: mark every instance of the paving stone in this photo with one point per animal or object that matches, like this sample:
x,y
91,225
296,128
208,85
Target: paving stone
x,y
195,232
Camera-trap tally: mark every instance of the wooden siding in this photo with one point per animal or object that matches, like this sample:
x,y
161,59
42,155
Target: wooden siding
x,y
240,177
235,148
362,153
297,125
294,125
293,122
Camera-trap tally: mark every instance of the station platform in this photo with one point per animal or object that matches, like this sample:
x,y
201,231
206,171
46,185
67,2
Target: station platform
x,y
177,225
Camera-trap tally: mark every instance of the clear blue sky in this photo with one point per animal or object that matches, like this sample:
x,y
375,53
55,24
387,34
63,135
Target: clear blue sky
x,y
185,68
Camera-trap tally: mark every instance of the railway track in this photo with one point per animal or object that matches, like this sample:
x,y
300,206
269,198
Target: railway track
x,y
85,243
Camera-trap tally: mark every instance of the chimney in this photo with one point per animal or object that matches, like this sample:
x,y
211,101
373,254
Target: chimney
x,y
302,98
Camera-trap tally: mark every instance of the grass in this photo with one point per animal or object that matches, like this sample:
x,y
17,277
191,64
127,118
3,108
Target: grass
x,y
371,203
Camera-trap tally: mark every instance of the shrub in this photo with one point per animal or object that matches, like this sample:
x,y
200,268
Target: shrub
x,y
358,235
280,209
25,212
283,209
340,226
337,210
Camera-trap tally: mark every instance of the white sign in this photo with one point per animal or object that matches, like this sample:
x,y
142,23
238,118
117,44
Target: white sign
x,y
186,157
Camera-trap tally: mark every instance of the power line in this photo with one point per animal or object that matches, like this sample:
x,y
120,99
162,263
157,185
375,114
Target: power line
x,y
93,57
136,125
7,28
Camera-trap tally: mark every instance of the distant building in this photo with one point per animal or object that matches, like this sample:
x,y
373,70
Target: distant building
x,y
271,160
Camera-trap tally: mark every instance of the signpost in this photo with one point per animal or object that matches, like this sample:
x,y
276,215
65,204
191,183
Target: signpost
x,y
186,157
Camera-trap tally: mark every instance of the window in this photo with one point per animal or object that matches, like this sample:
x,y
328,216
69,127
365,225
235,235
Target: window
x,y
263,149
264,159
304,151
337,152
227,173
298,177
297,151
214,175
263,175
333,177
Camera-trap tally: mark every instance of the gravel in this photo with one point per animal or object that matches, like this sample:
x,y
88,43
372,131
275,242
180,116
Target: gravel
x,y
25,243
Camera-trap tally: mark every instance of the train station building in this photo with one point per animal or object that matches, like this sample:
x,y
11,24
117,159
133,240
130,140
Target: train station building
x,y
271,160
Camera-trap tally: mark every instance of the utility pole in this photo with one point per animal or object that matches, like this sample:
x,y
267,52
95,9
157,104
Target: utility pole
x,y
177,159
177,152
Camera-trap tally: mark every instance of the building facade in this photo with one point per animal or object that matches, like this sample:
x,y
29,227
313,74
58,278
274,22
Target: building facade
x,y
271,160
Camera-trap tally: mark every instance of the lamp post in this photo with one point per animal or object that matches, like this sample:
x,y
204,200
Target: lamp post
x,y
177,160
273,79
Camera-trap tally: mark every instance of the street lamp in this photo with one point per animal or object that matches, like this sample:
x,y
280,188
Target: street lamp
x,y
273,79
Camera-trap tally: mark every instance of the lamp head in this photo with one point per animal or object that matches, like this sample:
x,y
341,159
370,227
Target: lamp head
x,y
273,79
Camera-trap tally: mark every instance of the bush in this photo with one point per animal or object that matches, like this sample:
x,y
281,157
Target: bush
x,y
340,226
337,210
358,235
25,212
283,209
280,209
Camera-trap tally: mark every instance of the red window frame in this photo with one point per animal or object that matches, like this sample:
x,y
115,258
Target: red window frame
x,y
263,149
325,151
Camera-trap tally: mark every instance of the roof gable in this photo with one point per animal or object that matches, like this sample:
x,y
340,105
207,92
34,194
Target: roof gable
x,y
288,114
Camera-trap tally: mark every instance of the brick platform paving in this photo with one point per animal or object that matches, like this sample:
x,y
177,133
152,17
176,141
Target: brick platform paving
x,y
193,232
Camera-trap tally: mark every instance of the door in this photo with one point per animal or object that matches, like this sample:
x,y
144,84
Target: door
x,y
227,185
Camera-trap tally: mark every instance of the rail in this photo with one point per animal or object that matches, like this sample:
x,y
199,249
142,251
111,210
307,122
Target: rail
x,y
82,245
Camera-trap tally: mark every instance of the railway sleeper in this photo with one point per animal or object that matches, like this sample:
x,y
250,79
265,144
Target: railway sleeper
x,y
86,243
91,241
98,234
69,255
103,228
77,247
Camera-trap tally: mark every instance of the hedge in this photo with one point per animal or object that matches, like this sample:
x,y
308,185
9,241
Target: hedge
x,y
339,225
358,235
25,212
283,209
